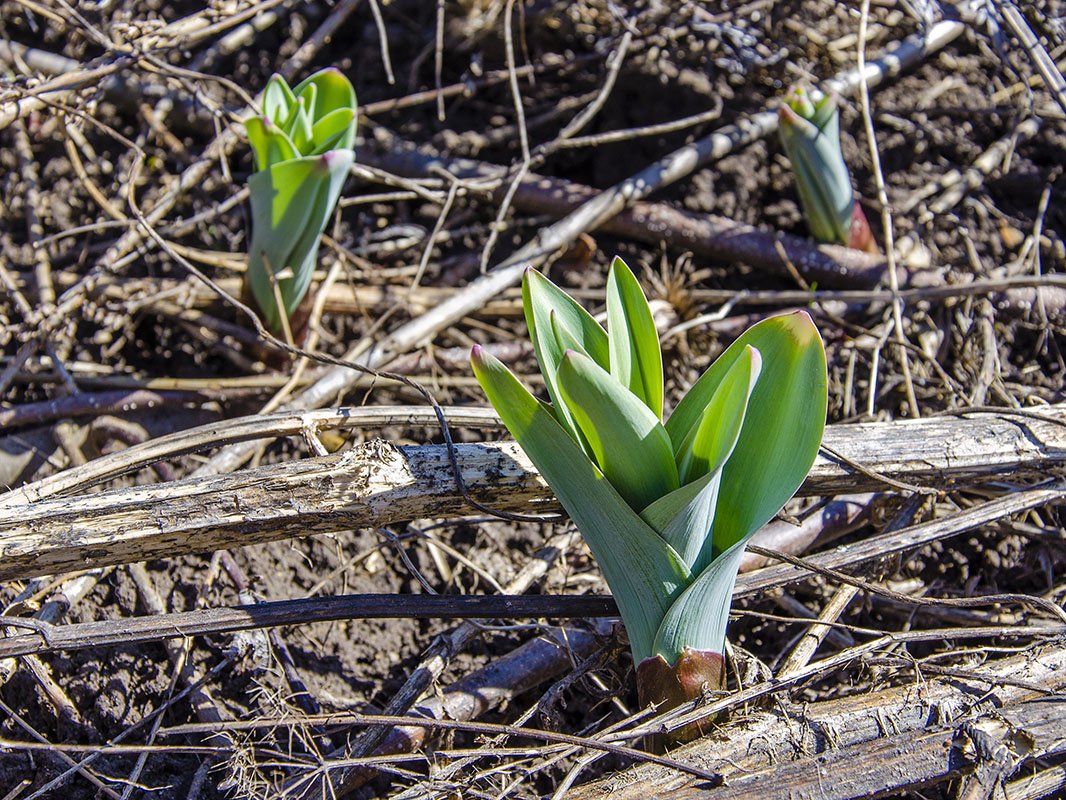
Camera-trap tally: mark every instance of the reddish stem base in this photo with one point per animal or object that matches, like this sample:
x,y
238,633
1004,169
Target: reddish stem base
x,y
666,686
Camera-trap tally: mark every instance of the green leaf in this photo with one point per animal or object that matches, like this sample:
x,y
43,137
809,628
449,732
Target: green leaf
x,y
811,138
291,204
299,129
711,440
635,358
826,117
629,443
782,428
643,572
540,299
685,518
269,144
698,618
334,131
278,99
332,90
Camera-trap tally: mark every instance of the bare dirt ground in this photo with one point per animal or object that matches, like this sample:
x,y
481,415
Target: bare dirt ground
x,y
484,125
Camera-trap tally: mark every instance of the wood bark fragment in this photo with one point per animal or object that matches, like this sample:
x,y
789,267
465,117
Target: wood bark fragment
x,y
879,739
379,484
315,609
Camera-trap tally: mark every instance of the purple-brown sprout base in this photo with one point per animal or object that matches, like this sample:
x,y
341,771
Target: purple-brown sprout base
x,y
695,672
860,237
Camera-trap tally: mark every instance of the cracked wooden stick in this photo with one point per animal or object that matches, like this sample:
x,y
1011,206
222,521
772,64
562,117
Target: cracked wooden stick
x,y
769,739
378,484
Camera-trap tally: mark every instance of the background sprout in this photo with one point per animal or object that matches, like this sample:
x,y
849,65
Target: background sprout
x,y
810,133
302,145
666,508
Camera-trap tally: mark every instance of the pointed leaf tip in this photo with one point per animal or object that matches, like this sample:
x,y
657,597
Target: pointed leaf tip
x,y
635,357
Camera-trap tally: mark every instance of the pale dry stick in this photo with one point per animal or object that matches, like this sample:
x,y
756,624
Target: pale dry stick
x,y
59,89
953,185
1037,53
1015,294
195,29
239,37
1038,227
279,424
14,792
1050,782
523,139
840,722
184,32
73,140
383,41
46,637
614,67
794,608
812,639
685,715
438,60
1041,670
587,217
431,240
377,484
46,293
886,215
628,134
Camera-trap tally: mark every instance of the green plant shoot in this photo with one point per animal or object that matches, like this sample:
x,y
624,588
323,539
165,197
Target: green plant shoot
x,y
302,144
810,132
666,508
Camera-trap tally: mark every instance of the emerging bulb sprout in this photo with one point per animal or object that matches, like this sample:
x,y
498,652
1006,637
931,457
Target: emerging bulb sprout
x,y
810,132
302,145
665,507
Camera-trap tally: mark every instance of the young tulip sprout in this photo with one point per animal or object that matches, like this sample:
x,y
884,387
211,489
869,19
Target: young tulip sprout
x,y
665,508
302,145
810,133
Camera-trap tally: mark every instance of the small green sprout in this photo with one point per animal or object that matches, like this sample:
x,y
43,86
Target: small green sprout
x,y
665,508
810,133
302,145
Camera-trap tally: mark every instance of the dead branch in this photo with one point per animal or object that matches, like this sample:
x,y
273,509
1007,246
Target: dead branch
x,y
379,484
707,234
748,750
46,637
168,625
